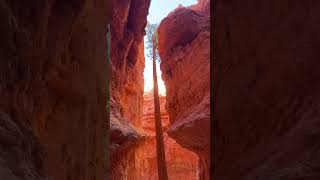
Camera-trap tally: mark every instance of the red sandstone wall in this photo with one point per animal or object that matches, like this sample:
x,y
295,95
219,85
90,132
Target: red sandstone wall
x,y
128,20
53,89
266,90
181,163
148,113
184,47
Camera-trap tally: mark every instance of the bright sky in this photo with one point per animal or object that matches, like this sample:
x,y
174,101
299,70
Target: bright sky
x,y
158,10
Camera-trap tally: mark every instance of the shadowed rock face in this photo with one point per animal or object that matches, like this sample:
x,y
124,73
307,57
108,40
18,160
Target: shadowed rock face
x,y
184,47
53,85
20,153
128,20
266,90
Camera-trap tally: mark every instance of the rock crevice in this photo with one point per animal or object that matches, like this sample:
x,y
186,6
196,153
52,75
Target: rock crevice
x,y
184,48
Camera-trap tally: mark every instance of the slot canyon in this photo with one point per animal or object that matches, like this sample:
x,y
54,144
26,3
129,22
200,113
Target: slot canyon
x,y
54,82
54,76
185,110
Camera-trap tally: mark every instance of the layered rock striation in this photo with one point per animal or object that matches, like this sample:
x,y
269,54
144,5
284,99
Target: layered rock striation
x,y
181,163
148,119
128,21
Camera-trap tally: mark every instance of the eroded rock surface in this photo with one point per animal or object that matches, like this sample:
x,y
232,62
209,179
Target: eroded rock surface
x,y
20,153
181,163
148,120
184,47
266,90
128,20
53,89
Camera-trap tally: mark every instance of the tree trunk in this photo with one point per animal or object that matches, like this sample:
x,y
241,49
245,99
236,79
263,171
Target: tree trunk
x,y
161,158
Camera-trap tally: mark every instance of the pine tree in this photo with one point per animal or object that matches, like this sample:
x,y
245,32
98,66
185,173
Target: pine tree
x,y
152,44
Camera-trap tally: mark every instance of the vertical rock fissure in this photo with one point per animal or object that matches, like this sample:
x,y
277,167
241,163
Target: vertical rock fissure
x,y
135,144
184,49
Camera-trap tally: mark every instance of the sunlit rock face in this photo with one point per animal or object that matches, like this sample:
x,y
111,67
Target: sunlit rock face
x,y
181,163
128,21
136,159
53,79
266,90
202,6
184,47
148,120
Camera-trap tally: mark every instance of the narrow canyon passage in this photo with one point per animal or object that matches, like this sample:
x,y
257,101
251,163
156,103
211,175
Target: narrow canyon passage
x,y
183,36
54,76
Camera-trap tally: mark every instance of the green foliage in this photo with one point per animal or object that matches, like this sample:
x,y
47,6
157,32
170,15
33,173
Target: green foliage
x,y
151,32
